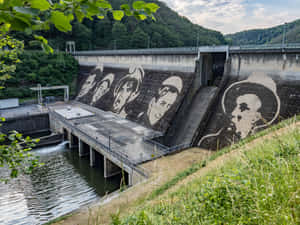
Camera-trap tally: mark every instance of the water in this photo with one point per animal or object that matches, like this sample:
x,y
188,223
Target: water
x,y
65,183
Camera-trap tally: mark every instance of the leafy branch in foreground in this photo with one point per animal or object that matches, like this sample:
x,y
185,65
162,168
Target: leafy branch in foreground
x,y
35,15
14,153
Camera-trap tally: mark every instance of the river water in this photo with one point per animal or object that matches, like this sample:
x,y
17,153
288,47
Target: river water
x,y
65,183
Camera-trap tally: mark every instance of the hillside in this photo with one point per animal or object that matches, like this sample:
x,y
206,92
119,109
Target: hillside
x,y
169,30
267,36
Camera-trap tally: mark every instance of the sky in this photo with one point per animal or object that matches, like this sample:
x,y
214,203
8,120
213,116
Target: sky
x,y
230,16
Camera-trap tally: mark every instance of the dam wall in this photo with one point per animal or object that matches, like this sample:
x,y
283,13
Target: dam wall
x,y
149,97
219,94
261,89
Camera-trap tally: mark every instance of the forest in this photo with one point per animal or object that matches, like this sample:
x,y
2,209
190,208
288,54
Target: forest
x,y
169,29
273,35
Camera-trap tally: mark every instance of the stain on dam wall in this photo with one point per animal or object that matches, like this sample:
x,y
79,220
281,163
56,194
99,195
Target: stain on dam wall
x,y
149,97
261,89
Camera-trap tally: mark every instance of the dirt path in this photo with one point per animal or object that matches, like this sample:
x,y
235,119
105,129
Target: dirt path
x,y
161,170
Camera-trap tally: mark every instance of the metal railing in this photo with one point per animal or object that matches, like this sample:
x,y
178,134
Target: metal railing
x,y
115,153
187,50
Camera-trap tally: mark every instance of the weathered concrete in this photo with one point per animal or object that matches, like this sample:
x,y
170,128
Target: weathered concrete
x,y
262,89
195,117
92,157
110,169
27,125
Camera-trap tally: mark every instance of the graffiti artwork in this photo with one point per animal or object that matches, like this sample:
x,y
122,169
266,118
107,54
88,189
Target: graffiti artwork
x,y
89,83
149,97
103,87
247,106
163,100
127,90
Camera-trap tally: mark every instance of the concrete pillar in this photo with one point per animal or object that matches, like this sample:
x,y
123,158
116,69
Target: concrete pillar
x,y
92,157
110,169
80,148
83,148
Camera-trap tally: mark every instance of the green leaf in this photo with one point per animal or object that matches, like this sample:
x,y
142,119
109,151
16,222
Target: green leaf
x,y
79,15
26,10
60,21
118,14
126,9
104,5
138,5
40,4
152,6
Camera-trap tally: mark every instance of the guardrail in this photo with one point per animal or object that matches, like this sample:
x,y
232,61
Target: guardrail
x,y
108,149
187,50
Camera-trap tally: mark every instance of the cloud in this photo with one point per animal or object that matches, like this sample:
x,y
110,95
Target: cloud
x,y
229,16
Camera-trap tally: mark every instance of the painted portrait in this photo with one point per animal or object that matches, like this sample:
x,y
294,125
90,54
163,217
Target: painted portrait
x,y
127,90
163,100
247,106
102,87
90,82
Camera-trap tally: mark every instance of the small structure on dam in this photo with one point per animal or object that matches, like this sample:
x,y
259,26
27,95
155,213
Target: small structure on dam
x,y
121,143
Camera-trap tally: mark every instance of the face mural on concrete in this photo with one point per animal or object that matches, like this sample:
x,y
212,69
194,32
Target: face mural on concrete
x,y
127,90
103,87
90,82
249,105
164,100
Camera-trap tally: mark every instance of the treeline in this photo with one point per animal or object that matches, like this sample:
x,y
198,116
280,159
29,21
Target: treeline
x,y
37,67
169,30
272,35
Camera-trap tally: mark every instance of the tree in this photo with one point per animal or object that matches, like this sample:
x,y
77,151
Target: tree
x,y
120,35
36,15
29,16
139,38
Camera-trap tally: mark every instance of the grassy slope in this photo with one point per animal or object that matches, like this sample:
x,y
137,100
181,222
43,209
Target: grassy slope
x,y
259,187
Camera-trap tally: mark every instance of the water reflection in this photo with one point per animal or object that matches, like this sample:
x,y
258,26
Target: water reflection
x,y
65,183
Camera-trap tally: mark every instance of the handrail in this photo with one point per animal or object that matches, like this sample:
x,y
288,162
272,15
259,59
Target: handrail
x,y
115,154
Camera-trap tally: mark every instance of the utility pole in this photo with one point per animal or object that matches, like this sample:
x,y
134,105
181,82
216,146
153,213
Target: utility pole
x,y
198,39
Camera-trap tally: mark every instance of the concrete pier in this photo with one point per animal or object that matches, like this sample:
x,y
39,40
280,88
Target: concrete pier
x,y
92,157
110,169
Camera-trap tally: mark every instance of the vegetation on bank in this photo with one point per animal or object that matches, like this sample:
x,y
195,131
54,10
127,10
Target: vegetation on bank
x,y
37,67
261,186
271,35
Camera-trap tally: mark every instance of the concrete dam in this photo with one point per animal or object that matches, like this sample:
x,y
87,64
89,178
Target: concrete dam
x,y
209,96
133,106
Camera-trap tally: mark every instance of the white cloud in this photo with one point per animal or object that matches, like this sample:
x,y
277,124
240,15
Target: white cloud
x,y
229,16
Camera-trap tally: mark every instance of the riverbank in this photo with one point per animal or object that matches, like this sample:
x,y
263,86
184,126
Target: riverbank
x,y
169,174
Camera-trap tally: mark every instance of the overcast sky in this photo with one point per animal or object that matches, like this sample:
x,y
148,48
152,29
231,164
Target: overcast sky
x,y
229,16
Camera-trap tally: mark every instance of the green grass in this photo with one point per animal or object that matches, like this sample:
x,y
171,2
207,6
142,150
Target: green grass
x,y
196,166
262,186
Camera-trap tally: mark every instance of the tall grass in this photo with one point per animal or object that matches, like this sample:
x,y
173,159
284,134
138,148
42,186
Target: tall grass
x,y
196,166
261,186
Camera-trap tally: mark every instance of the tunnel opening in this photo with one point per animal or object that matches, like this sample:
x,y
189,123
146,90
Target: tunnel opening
x,y
212,68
